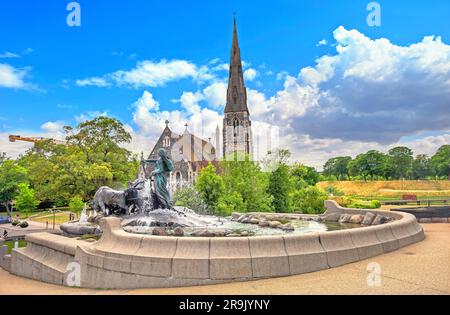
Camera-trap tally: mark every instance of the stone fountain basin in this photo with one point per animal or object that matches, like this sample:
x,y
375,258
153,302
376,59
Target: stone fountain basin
x,y
121,260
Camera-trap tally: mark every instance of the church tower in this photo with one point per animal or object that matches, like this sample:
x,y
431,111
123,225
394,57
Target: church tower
x,y
237,127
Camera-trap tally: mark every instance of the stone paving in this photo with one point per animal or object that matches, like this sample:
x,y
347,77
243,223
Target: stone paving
x,y
421,268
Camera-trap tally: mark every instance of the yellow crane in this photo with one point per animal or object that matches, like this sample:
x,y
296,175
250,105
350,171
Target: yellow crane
x,y
14,138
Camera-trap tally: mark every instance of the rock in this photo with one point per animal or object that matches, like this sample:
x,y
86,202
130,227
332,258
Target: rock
x,y
202,233
345,218
254,221
236,216
158,231
368,218
264,224
380,219
334,217
287,227
274,224
244,233
424,220
90,240
178,231
220,233
356,219
233,235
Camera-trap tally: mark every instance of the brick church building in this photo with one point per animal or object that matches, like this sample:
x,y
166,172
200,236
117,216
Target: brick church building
x,y
191,153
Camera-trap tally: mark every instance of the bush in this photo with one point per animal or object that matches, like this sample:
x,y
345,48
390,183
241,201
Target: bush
x,y
76,204
230,203
309,200
362,204
15,222
23,224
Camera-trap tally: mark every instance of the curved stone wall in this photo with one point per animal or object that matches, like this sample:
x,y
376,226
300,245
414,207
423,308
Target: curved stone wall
x,y
120,260
123,260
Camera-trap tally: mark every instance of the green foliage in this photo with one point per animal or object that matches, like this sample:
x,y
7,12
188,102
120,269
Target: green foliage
x,y
190,198
280,188
26,200
440,162
337,167
421,167
210,186
309,200
76,204
372,164
362,204
400,162
246,179
230,203
15,223
94,157
303,176
11,176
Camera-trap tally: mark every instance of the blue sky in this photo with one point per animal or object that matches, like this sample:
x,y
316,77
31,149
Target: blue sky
x,y
276,38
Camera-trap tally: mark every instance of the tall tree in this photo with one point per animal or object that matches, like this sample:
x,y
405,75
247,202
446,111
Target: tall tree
x,y
93,157
371,164
210,186
11,176
26,200
400,160
302,176
337,166
280,188
440,162
246,179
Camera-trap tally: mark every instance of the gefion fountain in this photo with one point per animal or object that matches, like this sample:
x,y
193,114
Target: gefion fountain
x,y
146,242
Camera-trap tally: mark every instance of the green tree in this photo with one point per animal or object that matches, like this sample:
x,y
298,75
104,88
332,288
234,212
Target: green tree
x,y
11,176
230,203
421,167
400,162
371,164
440,162
210,186
76,204
309,200
93,157
280,188
246,179
338,167
26,200
302,176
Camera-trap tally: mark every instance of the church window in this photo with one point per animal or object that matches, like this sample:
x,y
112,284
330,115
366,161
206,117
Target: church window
x,y
235,95
236,127
166,142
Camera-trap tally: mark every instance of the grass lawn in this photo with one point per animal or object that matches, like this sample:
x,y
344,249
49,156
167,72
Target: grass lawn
x,y
60,218
390,190
10,245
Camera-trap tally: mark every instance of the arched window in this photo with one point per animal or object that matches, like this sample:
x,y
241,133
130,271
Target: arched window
x,y
236,127
166,142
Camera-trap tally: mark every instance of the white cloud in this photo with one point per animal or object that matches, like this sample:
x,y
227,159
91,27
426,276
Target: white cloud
x,y
8,54
250,74
216,94
54,129
11,77
94,81
149,73
90,115
323,42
